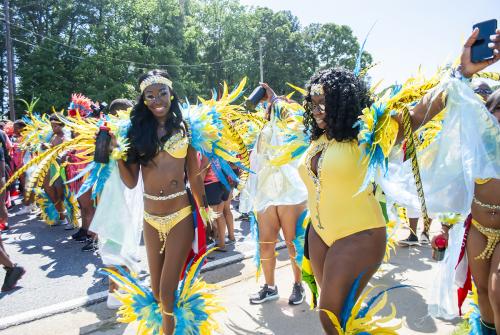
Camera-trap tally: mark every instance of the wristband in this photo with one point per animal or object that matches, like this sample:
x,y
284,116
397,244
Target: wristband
x,y
457,73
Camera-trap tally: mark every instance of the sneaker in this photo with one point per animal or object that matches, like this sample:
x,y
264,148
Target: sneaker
x,y
298,294
112,302
12,277
424,238
24,210
211,243
81,235
411,240
265,294
68,225
90,246
34,210
243,217
81,232
83,239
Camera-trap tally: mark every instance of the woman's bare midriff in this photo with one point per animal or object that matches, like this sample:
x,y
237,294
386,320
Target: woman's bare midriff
x,y
488,193
164,173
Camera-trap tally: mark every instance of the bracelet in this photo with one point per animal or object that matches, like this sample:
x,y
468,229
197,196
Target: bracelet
x,y
457,73
446,225
167,313
275,98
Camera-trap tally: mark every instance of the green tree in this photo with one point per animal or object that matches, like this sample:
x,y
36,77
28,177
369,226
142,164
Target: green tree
x,y
335,45
100,47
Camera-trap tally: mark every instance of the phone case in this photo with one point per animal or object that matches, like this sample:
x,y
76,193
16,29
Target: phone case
x,y
480,50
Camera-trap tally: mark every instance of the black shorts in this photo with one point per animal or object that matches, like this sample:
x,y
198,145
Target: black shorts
x,y
216,193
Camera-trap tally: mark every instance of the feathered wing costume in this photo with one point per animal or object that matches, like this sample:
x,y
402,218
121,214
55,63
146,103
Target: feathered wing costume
x,y
43,163
461,144
454,151
193,310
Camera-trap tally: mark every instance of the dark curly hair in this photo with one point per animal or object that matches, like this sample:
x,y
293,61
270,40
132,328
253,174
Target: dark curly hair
x,y
143,135
346,95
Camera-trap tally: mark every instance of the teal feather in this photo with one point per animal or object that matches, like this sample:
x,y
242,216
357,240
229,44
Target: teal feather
x,y
299,240
475,320
357,68
350,301
189,313
362,312
254,229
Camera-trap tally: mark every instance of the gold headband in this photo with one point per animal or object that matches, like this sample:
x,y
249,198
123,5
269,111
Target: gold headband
x,y
154,80
317,89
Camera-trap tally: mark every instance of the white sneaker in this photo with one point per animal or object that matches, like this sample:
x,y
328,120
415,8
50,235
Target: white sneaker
x,y
424,238
24,210
35,210
112,302
68,225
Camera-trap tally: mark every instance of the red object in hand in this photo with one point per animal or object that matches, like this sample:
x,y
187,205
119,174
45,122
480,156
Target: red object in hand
x,y
441,242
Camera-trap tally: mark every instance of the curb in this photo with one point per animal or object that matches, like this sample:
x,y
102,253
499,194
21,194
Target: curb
x,y
95,298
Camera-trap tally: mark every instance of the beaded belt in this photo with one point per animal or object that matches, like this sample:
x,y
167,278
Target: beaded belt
x,y
488,206
164,197
492,239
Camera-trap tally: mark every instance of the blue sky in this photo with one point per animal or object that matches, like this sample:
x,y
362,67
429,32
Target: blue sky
x,y
407,33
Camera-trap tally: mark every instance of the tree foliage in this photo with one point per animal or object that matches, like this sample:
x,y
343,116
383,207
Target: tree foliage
x,y
100,47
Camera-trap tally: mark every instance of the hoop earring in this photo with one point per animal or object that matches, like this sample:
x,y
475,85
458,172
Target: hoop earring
x,y
145,102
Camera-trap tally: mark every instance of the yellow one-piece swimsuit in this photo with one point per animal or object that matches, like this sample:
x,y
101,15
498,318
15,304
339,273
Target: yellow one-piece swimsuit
x,y
337,209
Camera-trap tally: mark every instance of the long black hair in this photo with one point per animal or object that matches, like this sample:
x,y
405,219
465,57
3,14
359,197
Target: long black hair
x,y
143,135
346,95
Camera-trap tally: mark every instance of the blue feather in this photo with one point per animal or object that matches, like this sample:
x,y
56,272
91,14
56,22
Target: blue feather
x,y
357,68
254,229
299,240
364,310
475,321
82,173
350,301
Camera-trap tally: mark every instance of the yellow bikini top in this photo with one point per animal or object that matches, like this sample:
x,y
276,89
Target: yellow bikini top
x,y
177,145
482,181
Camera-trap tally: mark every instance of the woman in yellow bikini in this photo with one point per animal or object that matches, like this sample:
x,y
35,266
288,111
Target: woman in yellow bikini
x,y
482,237
347,239
160,149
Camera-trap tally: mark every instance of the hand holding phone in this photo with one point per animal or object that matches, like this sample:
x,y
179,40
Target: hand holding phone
x,y
491,41
480,50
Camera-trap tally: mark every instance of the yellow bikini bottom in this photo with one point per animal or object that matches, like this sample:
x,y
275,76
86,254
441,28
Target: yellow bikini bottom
x,y
492,236
163,224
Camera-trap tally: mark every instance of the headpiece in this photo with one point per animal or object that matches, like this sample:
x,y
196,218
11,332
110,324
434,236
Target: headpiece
x,y
154,80
317,89
80,104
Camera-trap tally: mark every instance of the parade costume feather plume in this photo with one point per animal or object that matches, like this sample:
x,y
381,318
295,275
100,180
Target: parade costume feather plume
x,y
211,134
254,231
193,308
307,272
80,105
49,212
290,127
300,233
355,319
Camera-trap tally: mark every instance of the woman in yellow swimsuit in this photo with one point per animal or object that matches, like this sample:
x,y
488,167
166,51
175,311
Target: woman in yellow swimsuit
x,y
347,239
160,149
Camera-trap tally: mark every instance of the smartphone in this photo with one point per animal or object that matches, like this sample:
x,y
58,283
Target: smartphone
x,y
480,50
